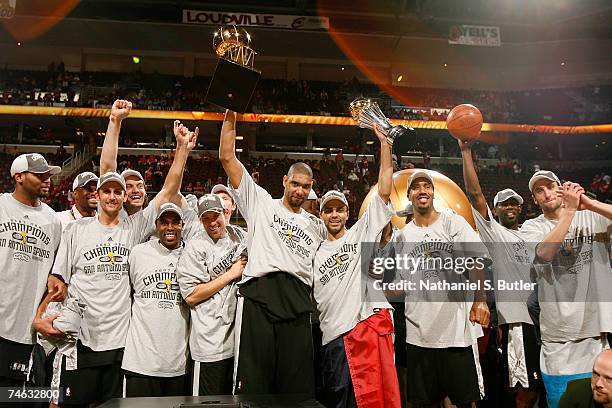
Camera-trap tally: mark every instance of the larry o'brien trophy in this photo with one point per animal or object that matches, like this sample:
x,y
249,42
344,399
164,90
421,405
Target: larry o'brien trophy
x,y
367,114
234,80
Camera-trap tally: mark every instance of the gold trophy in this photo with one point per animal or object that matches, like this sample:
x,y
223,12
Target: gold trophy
x,y
235,78
367,114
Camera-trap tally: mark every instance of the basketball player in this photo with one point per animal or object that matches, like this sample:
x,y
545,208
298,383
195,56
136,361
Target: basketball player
x,y
441,335
207,274
93,259
358,367
30,233
136,193
273,317
512,257
160,317
572,267
85,201
228,200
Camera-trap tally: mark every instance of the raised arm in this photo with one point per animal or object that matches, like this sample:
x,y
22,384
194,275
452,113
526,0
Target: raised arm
x,y
227,149
185,142
470,178
108,158
385,173
596,206
550,245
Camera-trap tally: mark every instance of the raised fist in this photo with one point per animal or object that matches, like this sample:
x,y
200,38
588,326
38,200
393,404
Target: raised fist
x,y
121,109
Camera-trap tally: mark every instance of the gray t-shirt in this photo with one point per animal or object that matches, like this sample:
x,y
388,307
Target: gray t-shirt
x,y
342,289
212,321
431,322
156,342
574,290
93,259
29,237
278,239
512,255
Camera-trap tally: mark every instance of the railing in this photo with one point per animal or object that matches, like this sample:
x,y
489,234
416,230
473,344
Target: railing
x,y
69,166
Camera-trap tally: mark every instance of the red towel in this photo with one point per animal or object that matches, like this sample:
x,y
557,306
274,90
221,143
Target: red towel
x,y
369,351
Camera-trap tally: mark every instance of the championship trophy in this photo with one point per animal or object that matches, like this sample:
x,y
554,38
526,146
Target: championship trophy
x,y
234,80
367,114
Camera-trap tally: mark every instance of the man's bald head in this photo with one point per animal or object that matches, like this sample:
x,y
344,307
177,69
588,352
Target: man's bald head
x,y
297,184
601,381
299,168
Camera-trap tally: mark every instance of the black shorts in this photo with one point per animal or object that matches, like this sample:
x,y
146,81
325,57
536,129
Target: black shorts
x,y
214,378
139,385
524,356
434,374
97,379
399,326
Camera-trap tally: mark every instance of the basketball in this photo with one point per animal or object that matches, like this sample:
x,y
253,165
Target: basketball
x,y
464,122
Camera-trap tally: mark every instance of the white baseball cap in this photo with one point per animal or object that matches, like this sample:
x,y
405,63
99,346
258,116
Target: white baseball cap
x,y
32,163
220,188
111,176
505,195
169,207
83,179
420,174
543,174
333,195
131,172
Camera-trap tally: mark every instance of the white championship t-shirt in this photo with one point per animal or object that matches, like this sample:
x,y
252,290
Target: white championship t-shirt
x,y
574,291
431,322
278,239
512,255
212,321
29,237
93,260
342,289
156,342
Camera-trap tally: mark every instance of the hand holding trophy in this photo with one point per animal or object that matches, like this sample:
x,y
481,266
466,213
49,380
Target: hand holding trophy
x,y
234,80
367,114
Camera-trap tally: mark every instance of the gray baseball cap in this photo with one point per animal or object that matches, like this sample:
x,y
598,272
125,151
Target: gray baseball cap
x,y
32,163
111,176
169,207
131,172
543,174
507,194
333,195
210,202
83,179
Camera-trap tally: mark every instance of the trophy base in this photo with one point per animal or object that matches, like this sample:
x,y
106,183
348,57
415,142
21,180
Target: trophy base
x,y
232,86
404,139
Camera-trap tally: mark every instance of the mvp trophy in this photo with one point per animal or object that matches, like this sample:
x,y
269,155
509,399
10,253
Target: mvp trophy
x,y
367,114
235,79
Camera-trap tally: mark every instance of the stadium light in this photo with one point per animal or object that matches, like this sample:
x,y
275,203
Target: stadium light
x,y
239,137
135,59
399,78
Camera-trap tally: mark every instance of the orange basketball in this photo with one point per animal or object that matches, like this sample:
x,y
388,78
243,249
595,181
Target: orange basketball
x,y
464,122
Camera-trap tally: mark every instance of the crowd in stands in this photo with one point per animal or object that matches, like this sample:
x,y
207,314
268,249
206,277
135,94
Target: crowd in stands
x,y
354,178
58,87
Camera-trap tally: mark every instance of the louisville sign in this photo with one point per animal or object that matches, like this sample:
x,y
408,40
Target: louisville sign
x,y
255,20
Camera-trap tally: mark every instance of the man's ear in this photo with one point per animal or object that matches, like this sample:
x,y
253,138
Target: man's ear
x,y
285,180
